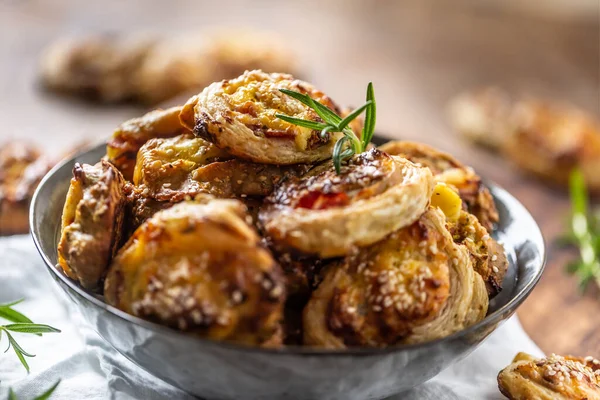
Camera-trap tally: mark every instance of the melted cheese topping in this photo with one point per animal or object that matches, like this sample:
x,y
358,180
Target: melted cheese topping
x,y
258,102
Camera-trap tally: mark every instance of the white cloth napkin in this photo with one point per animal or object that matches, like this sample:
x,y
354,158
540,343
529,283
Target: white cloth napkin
x,y
91,369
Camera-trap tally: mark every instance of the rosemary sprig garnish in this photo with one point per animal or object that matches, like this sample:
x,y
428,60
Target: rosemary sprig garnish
x,y
20,324
584,233
349,144
44,396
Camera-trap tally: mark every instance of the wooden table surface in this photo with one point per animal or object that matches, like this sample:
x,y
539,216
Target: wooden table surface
x,y
417,53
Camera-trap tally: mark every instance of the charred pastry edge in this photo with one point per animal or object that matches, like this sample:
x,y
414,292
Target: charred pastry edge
x,y
334,232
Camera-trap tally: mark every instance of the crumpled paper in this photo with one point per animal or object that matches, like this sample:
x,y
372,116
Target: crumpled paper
x,y
89,368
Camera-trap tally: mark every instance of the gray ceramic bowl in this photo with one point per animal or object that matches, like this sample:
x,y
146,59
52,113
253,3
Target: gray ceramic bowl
x,y
226,371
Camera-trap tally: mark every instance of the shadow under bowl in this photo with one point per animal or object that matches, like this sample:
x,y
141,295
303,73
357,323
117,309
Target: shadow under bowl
x,y
222,370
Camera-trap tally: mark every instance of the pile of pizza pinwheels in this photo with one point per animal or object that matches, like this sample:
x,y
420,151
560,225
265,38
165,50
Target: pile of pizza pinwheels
x,y
253,214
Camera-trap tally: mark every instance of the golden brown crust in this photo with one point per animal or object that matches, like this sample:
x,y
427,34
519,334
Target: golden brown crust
x,y
22,167
327,214
550,140
476,197
378,296
239,116
130,136
92,222
200,268
551,378
467,303
98,67
487,255
181,167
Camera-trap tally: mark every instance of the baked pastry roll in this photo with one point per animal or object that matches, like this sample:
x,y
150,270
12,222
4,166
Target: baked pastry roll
x,y
551,378
181,167
482,116
22,167
130,136
379,295
193,60
477,199
239,116
92,222
99,67
326,214
487,255
200,268
550,140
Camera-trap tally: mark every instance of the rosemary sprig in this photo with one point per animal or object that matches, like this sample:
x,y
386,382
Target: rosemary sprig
x,y
584,233
20,324
44,396
349,144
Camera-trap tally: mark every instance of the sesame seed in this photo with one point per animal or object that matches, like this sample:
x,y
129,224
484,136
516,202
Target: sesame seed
x,y
237,296
267,284
376,308
494,257
351,310
196,316
495,269
276,292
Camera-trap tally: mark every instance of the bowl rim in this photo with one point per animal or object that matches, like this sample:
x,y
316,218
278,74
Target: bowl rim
x,y
490,319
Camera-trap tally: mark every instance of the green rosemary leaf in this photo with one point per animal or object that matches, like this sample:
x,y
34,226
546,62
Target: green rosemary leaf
x,y
326,113
370,118
578,193
353,115
337,153
323,111
317,126
347,145
21,354
582,232
8,313
16,345
46,395
31,328
302,98
12,395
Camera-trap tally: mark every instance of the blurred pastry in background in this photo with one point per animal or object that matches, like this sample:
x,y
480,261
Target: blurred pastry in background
x,y
481,115
191,61
547,139
98,67
22,166
550,140
112,68
551,378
